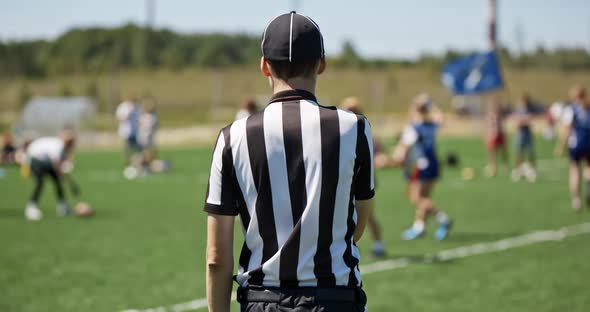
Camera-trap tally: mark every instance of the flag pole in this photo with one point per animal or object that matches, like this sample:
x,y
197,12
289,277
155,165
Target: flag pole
x,y
493,42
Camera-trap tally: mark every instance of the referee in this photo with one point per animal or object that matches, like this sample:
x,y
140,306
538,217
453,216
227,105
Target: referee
x,y
300,176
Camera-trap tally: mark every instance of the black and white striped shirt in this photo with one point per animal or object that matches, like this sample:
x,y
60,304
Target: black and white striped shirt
x,y
293,172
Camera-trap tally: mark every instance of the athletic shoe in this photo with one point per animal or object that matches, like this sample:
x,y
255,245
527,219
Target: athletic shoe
x,y
516,175
33,213
63,209
530,174
378,250
412,234
443,231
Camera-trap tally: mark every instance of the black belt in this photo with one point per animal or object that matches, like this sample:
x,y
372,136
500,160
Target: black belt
x,y
276,295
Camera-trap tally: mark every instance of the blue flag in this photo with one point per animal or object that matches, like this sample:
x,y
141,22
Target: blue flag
x,y
473,74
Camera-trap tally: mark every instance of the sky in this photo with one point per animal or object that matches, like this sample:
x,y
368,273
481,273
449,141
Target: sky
x,y
377,28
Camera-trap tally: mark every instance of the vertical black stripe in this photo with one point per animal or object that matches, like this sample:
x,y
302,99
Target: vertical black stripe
x,y
264,208
349,259
361,145
246,253
330,138
228,193
296,174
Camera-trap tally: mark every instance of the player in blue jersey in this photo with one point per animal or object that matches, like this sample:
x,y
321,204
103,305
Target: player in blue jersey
x,y
576,119
524,141
416,151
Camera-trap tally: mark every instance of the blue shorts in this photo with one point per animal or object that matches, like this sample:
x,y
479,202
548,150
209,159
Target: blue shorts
x,y
578,154
524,145
430,173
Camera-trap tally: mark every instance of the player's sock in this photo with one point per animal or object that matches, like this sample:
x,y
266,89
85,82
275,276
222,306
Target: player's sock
x,y
417,230
588,193
418,226
442,218
378,249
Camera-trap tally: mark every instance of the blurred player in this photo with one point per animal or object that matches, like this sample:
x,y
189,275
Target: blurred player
x,y
576,119
47,156
128,114
352,104
552,116
8,155
247,108
417,152
495,137
524,140
147,127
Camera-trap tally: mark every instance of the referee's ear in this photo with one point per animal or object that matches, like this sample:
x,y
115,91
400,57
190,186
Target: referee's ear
x,y
322,66
264,67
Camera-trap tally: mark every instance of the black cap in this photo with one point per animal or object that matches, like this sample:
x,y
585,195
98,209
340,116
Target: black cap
x,y
292,37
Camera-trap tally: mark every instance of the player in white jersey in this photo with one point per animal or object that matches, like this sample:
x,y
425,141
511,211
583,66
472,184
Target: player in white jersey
x,y
146,134
46,157
128,114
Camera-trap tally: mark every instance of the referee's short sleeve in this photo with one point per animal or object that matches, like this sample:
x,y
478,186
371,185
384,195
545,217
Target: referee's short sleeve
x,y
220,198
364,182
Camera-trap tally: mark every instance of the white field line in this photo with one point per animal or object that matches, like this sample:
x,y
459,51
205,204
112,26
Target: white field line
x,y
444,255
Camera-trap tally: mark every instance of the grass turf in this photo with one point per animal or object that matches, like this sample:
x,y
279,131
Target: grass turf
x,y
145,246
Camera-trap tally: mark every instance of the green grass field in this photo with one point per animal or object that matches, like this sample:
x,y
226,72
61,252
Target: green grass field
x,y
145,246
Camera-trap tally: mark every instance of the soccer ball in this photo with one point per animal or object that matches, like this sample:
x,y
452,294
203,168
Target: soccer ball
x,y
83,210
468,173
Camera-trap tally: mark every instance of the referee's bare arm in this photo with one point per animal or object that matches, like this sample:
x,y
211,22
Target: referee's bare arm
x,y
220,205
220,261
363,211
364,188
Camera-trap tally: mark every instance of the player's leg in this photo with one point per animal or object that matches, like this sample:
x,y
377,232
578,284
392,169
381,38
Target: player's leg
x,y
63,208
530,170
419,225
574,183
443,220
32,211
517,170
491,168
503,150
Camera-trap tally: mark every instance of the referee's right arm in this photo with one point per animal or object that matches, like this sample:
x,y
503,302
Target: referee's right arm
x,y
220,204
364,180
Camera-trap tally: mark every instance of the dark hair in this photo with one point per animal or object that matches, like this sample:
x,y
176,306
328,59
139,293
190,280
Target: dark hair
x,y
286,70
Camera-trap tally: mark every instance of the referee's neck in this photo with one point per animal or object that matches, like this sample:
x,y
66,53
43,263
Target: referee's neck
x,y
298,83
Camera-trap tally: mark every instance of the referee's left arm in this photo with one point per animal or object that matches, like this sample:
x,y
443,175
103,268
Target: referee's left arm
x,y
221,208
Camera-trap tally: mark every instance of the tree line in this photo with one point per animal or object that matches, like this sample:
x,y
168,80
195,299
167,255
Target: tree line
x,y
89,50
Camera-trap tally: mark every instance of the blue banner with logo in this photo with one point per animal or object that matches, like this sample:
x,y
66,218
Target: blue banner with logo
x,y
473,74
